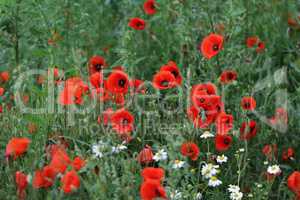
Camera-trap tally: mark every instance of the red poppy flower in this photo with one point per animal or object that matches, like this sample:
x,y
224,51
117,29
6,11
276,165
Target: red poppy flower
x,y
21,182
260,47
1,91
96,64
1,109
78,163
60,160
223,142
201,117
118,82
137,86
224,123
150,7
288,154
163,80
137,23
122,121
202,99
208,88
228,76
96,79
173,68
270,150
293,183
153,174
70,182
73,91
4,76
145,156
248,130
16,147
252,41
44,178
190,150
151,189
106,116
211,45
248,103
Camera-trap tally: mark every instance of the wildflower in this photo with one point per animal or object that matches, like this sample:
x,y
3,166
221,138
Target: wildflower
x,y
228,76
214,182
211,45
248,103
96,64
206,135
145,156
270,151
222,159
236,195
21,182
293,183
137,23
178,164
97,149
190,150
173,68
288,154
176,195
233,188
16,147
152,189
198,196
4,76
44,178
73,91
78,163
209,170
248,130
150,7
252,41
118,82
224,123
222,142
70,182
1,91
260,47
119,148
274,170
160,155
152,173
122,121
163,80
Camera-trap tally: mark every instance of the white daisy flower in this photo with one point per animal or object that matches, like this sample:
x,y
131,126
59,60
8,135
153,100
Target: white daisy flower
x,y
233,188
214,182
274,169
206,135
236,195
118,148
241,150
209,170
97,149
161,155
222,159
199,196
178,164
176,195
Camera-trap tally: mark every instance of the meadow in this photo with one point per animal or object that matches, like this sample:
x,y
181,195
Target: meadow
x,y
149,99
